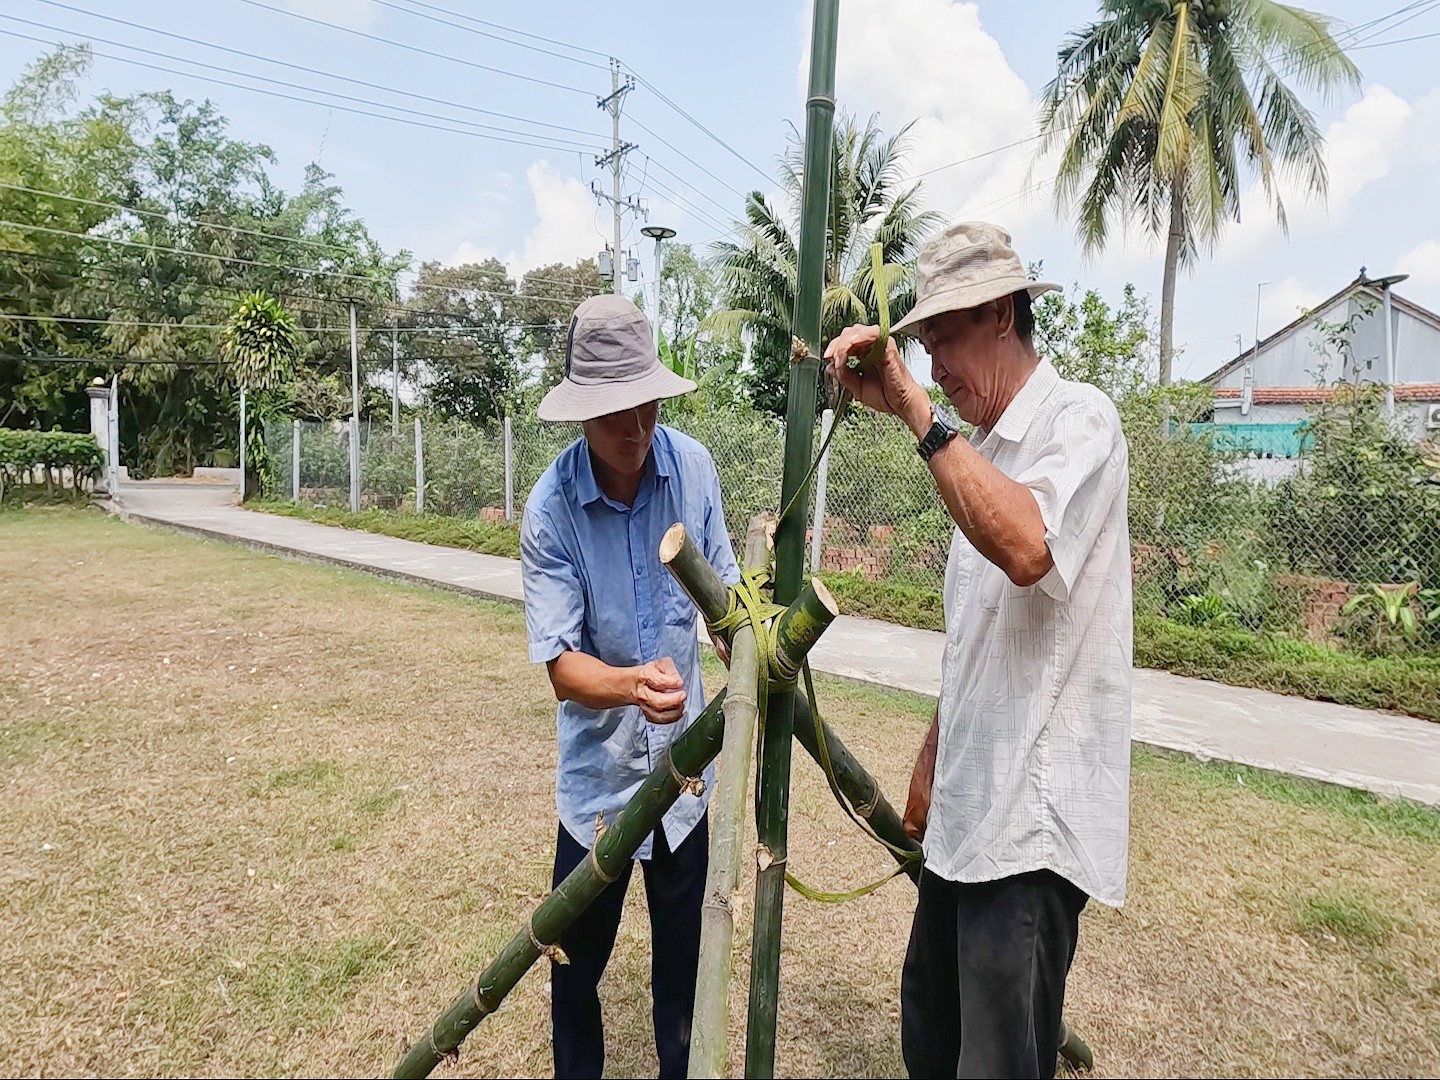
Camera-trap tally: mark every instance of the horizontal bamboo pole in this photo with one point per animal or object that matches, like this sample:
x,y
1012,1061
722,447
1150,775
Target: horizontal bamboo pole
x,y
686,757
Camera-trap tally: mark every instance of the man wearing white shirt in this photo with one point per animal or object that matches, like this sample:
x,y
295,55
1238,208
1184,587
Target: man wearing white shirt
x,y
1021,789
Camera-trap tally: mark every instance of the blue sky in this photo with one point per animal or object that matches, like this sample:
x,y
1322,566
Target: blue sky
x,y
968,73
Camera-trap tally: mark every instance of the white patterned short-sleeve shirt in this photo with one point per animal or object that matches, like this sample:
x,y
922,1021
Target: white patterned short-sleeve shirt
x,y
1033,766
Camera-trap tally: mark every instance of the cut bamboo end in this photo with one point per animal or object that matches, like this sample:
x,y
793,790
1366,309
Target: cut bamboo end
x,y
672,543
826,596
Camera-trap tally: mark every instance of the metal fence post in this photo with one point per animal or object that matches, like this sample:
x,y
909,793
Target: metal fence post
x,y
242,444
827,420
509,474
295,460
113,436
354,464
419,470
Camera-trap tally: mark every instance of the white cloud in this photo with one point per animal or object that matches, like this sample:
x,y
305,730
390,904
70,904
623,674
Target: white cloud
x,y
933,62
1282,302
356,14
564,228
1422,263
1361,148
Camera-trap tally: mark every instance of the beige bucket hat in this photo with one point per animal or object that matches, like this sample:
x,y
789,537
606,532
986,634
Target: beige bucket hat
x,y
610,364
966,266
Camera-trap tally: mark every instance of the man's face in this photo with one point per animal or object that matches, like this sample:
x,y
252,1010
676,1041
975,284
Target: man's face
x,y
964,359
622,440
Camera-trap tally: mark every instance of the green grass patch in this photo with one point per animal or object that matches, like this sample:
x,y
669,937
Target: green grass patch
x,y
311,774
342,842
311,985
1344,915
1393,817
890,601
380,801
1287,666
470,534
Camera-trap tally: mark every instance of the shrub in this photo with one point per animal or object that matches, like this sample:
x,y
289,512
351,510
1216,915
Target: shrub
x,y
56,460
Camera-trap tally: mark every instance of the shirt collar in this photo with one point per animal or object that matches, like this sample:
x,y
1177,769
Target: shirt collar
x,y
1015,421
658,463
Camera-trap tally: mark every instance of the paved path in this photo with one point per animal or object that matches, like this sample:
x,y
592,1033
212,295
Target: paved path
x,y
1379,752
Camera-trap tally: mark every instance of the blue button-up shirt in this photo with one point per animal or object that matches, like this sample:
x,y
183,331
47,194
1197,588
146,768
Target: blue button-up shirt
x,y
594,584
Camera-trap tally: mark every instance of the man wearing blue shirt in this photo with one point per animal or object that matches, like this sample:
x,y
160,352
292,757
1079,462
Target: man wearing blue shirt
x,y
618,637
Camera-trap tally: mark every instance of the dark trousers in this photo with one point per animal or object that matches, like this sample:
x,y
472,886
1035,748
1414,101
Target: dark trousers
x,y
984,980
674,890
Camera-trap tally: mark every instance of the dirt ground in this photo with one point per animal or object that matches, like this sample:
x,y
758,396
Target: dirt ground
x,y
265,818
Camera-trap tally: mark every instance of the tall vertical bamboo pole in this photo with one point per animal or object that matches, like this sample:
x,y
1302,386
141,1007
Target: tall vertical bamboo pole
x,y
709,1050
773,811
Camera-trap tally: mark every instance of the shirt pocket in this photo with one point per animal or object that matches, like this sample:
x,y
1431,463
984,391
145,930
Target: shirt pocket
x,y
678,608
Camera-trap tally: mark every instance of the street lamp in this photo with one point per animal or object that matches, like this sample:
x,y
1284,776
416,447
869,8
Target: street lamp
x,y
658,233
1384,284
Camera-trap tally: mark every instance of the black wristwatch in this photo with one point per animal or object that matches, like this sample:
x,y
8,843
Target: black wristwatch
x,y
942,430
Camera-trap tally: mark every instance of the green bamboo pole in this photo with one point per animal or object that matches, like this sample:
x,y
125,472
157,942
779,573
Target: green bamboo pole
x,y
686,757
774,800
709,1050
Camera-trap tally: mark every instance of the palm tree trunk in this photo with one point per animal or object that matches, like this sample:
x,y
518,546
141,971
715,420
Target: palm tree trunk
x,y
1167,289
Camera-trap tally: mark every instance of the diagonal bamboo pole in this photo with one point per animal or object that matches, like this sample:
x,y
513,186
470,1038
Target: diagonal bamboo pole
x,y
773,810
709,1051
685,759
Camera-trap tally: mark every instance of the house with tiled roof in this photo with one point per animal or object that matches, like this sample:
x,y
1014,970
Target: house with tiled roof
x,y
1264,395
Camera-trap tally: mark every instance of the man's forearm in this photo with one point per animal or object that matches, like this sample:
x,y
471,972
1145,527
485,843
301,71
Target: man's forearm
x,y
589,681
998,516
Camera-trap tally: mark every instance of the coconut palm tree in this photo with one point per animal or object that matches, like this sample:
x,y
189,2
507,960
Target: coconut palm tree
x,y
870,202
1159,105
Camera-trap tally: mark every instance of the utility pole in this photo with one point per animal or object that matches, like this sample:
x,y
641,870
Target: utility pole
x,y
395,382
354,416
615,162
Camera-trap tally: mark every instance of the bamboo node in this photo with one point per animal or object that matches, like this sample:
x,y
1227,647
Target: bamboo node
x,y
599,825
448,1056
609,879
552,951
799,350
690,785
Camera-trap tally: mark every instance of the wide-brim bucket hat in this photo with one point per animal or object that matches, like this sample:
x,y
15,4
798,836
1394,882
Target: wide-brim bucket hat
x,y
967,266
610,364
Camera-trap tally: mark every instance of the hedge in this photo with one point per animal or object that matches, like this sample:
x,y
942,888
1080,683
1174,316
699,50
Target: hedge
x,y
56,459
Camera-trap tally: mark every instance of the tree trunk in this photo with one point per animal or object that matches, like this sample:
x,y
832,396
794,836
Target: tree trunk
x,y
1167,290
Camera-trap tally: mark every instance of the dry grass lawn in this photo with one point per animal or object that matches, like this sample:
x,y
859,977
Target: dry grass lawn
x,y
264,818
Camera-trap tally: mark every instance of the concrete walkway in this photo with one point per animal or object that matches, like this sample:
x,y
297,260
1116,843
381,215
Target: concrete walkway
x,y
1379,752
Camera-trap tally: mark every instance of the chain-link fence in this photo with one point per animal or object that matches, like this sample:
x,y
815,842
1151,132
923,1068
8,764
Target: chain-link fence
x,y
1226,530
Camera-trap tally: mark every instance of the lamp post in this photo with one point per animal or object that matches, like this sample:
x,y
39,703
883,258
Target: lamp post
x,y
658,233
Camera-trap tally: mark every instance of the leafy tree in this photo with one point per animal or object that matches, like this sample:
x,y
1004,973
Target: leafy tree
x,y
1089,341
546,298
469,353
869,203
1159,105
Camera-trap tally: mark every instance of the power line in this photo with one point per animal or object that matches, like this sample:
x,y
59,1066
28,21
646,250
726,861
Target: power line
x,y
687,157
238,261
716,138
293,97
482,33
416,48
1397,41
166,217
709,219
129,324
511,29
308,89
686,184
314,71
